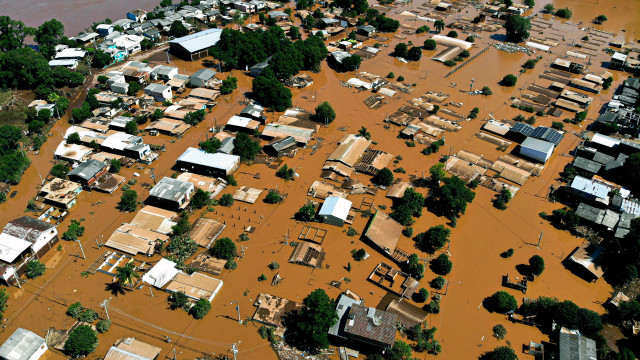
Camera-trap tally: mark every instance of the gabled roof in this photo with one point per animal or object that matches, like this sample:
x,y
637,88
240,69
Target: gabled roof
x,y
574,346
199,41
282,144
371,324
27,228
204,74
88,169
335,206
171,189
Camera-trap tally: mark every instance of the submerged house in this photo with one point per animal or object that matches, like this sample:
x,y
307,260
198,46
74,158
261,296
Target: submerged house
x,y
23,345
335,210
171,193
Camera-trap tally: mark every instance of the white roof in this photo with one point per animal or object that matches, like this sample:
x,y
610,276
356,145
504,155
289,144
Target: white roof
x,y
65,62
619,56
104,26
72,151
605,140
11,247
441,39
535,45
360,83
159,275
595,188
217,160
335,206
199,41
71,53
119,140
239,121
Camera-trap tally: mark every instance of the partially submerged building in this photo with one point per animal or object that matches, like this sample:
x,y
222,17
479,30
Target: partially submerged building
x,y
61,193
205,231
132,349
574,346
196,286
198,161
171,193
307,254
335,210
134,240
195,46
272,309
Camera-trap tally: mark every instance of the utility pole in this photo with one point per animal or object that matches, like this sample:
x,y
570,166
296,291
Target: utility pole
x,y
472,81
105,305
153,176
237,308
81,249
15,275
540,239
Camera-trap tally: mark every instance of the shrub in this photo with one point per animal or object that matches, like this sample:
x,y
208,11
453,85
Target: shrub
x,y
88,316
358,255
34,269
306,213
178,300
400,78
438,282
285,172
486,91
499,331
452,34
558,125
128,201
422,29
470,39
433,307
74,310
262,277
103,326
430,44
408,231
450,63
74,231
500,353
391,75
507,254
564,13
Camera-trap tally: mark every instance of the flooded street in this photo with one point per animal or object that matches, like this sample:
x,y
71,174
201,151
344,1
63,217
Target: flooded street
x,y
464,326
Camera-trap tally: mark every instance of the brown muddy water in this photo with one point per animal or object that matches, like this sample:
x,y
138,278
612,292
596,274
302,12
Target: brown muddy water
x,y
76,15
464,327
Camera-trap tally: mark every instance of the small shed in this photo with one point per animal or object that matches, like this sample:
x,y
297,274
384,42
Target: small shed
x,y
281,147
335,210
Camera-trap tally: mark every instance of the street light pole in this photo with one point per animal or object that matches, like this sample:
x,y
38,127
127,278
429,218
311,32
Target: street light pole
x,y
237,308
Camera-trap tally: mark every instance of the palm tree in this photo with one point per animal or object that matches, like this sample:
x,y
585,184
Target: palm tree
x,y
439,25
364,133
126,274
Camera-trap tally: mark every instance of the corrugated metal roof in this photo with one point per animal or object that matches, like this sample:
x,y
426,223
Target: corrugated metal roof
x,y
537,144
574,346
171,189
335,206
217,161
199,41
21,345
88,169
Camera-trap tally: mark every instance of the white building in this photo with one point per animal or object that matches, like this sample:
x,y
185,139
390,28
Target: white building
x,y
71,54
536,149
198,161
335,210
159,92
164,72
23,345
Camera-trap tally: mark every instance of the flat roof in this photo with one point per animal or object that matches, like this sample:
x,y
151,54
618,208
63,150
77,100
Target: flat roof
x,y
88,169
537,144
384,231
132,349
217,161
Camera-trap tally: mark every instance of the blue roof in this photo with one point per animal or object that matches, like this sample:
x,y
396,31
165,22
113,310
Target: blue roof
x,y
547,134
523,128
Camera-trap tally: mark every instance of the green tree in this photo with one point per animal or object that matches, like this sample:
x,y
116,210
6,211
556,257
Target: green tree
x,y
178,29
307,328
178,300
405,208
364,133
103,326
351,63
35,269
509,80
400,351
245,147
81,341
536,265
441,265
228,85
414,54
273,197
4,302
270,92
437,173
101,59
564,13
200,199
499,353
325,113
13,33
400,50
285,172
200,309
306,213
60,170
502,198
211,145
600,19
549,8
430,44
438,282
74,231
226,200
501,302
453,34
74,310
48,35
358,255
439,25
128,201
517,28
134,88
499,331
414,267
433,239
224,248
421,296
384,177
294,33
126,274
131,127
115,167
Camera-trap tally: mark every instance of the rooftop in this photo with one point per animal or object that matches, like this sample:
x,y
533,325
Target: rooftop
x,y
27,228
196,285
171,189
371,324
88,169
199,41
132,349
384,231
335,206
21,345
271,309
217,160
574,346
537,144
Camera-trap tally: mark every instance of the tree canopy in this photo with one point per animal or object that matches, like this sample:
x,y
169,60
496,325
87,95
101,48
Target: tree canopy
x,y
451,198
384,177
224,248
270,92
517,28
81,341
245,147
405,208
211,145
501,302
500,353
433,239
12,33
441,265
307,328
128,201
178,29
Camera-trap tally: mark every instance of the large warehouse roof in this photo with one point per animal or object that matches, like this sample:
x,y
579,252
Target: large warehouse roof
x,y
199,41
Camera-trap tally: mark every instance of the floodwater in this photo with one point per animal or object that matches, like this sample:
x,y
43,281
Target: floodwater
x,y
76,15
464,327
